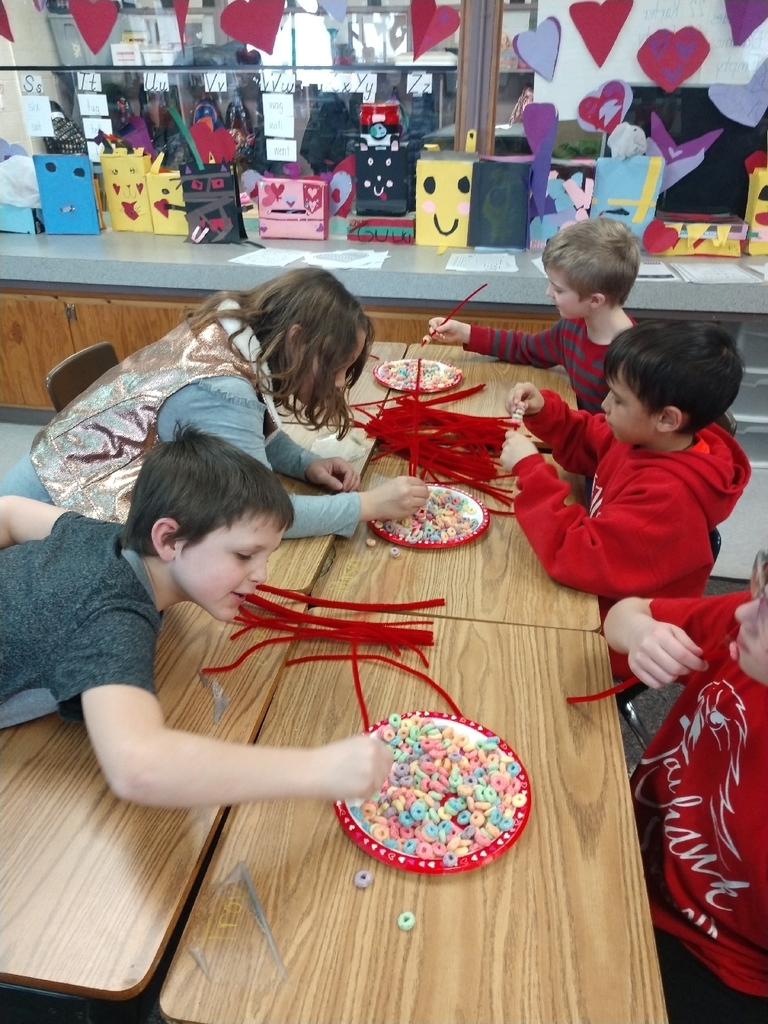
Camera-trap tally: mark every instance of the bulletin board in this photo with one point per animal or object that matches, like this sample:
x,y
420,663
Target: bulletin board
x,y
725,64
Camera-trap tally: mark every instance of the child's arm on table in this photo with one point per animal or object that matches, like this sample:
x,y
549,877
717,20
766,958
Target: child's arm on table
x,y
145,762
543,349
659,652
23,519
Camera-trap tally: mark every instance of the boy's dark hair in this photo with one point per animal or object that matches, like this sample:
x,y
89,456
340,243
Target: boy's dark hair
x,y
204,483
693,366
596,255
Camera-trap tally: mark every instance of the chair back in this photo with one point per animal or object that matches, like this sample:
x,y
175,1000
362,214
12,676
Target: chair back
x,y
75,373
728,422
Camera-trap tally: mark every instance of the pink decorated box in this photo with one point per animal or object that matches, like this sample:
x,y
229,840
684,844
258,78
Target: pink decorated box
x,y
293,209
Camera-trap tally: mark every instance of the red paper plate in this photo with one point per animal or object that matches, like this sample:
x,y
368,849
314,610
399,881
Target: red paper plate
x,y
400,374
473,519
513,819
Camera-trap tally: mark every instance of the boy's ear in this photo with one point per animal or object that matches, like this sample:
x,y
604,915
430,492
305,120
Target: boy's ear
x,y
596,300
671,420
165,543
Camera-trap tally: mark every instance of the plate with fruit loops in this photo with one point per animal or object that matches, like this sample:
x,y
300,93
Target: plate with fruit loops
x,y
400,374
450,517
465,804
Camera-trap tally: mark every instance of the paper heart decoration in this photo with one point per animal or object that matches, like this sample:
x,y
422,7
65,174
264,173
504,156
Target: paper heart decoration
x,y
312,198
539,49
256,22
181,7
41,4
680,158
94,21
599,25
214,147
744,17
669,58
9,149
341,187
272,192
336,9
5,25
743,103
658,237
538,121
754,162
604,110
431,24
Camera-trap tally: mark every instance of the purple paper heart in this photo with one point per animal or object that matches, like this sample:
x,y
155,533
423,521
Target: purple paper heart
x,y
336,9
744,17
539,49
743,103
538,119
679,158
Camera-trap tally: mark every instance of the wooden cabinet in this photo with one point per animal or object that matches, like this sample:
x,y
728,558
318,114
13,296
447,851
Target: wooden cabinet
x,y
38,331
410,325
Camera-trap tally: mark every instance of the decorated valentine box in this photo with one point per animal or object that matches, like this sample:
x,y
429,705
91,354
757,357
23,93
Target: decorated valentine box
x,y
125,186
212,204
569,197
67,194
293,209
381,181
443,191
166,200
627,190
757,212
695,234
498,208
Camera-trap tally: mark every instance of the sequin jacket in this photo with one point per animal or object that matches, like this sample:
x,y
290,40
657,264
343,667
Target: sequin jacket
x,y
89,455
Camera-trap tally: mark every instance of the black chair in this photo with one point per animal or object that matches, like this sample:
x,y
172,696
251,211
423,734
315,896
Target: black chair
x,y
74,374
625,700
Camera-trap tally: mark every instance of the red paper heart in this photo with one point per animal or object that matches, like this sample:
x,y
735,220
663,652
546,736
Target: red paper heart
x,y
658,236
756,160
431,25
94,21
599,25
256,23
214,147
181,7
5,25
604,112
669,58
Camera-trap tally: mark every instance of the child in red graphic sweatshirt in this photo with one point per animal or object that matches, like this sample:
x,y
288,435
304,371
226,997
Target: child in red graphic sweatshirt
x,y
665,475
700,796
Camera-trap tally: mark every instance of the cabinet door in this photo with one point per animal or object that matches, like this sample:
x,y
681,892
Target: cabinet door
x,y
34,337
129,324
411,325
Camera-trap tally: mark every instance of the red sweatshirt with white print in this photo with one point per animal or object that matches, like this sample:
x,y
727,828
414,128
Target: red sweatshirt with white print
x,y
701,803
646,532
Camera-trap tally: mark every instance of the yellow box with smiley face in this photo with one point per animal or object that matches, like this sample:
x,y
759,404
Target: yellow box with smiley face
x,y
125,185
443,189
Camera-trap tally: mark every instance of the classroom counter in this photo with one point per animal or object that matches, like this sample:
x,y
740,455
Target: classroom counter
x,y
412,275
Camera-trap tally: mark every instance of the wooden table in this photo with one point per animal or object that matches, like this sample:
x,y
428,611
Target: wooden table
x,y
556,929
91,886
297,562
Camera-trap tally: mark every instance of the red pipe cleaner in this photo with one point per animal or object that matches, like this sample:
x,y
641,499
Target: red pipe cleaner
x,y
588,697
433,330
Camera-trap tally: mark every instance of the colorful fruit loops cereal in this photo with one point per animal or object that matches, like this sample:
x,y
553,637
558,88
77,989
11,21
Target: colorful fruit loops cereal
x,y
445,519
448,794
435,376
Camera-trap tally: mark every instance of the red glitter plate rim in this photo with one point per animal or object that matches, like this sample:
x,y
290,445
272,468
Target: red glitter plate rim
x,y
465,538
426,387
408,862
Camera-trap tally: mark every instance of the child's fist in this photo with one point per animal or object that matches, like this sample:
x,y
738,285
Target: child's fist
x,y
452,331
355,768
516,447
524,397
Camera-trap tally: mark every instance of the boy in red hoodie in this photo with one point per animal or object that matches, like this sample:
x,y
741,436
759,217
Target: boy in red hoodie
x,y
665,475
700,796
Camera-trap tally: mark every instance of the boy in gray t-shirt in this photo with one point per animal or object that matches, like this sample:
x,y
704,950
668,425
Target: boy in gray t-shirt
x,y
81,605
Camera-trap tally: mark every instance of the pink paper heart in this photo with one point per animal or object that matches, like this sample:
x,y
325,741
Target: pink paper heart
x,y
603,110
94,21
431,24
669,58
256,22
539,48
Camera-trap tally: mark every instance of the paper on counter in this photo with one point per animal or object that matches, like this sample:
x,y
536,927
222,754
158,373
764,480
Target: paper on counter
x,y
270,257
721,272
347,259
654,270
482,263
539,265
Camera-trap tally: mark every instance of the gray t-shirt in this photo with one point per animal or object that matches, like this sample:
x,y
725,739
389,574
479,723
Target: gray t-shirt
x,y
74,614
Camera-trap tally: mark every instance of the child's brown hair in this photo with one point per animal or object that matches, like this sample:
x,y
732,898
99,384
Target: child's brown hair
x,y
600,255
330,321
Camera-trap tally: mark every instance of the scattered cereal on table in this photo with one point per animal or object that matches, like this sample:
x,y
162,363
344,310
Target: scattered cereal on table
x,y
363,879
370,543
406,921
394,552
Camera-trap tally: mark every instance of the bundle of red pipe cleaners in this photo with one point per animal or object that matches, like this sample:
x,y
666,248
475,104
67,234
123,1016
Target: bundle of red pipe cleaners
x,y
260,612
450,447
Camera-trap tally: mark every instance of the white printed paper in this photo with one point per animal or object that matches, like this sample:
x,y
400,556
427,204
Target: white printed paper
x,y
31,85
654,270
348,259
215,81
278,115
482,263
536,262
270,257
92,104
720,272
93,125
277,81
418,83
156,81
88,81
282,149
125,54
37,116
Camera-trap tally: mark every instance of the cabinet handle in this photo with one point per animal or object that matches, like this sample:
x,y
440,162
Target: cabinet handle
x,y
70,311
